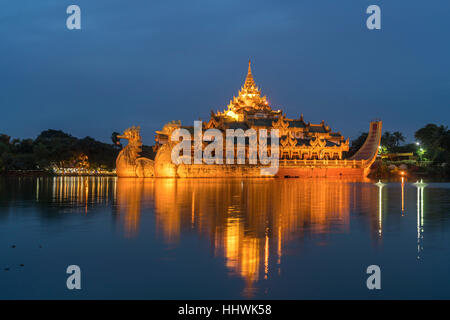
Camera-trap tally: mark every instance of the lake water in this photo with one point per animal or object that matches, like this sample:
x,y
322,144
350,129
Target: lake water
x,y
222,238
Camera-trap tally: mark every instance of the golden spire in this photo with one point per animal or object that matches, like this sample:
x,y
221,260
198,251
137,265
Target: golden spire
x,y
249,82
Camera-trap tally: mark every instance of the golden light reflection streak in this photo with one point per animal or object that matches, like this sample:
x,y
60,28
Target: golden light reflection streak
x,y
86,187
115,190
240,235
403,195
279,249
193,209
266,255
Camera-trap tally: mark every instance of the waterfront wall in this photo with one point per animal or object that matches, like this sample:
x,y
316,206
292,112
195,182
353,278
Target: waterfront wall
x,y
254,171
208,171
311,172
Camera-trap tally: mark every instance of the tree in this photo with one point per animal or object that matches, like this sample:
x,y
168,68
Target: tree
x,y
56,145
392,141
434,140
4,144
387,140
5,139
115,140
398,137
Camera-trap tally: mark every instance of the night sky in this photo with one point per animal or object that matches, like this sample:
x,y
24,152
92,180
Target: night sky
x,y
148,62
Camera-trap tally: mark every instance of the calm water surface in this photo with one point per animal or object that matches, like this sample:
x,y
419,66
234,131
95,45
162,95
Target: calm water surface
x,y
214,239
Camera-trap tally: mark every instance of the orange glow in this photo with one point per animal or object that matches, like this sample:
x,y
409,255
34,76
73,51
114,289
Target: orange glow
x,y
232,115
234,215
247,222
403,194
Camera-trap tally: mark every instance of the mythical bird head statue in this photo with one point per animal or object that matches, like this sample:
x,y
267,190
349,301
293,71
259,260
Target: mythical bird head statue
x,y
134,146
129,163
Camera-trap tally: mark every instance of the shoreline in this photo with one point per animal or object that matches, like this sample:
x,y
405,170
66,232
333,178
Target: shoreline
x,y
49,174
372,177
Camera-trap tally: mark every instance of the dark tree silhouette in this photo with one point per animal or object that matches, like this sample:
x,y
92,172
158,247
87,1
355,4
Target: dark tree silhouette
x,y
392,141
115,140
398,138
435,140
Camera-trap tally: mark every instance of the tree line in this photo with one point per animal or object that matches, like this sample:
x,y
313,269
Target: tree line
x,y
55,148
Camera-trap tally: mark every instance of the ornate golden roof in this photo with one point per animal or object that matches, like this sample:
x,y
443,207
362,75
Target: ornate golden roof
x,y
248,101
249,82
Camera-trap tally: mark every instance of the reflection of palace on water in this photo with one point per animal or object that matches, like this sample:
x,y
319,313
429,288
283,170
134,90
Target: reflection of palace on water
x,y
249,223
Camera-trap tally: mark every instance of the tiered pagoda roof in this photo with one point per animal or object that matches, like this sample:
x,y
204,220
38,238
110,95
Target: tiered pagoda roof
x,y
248,103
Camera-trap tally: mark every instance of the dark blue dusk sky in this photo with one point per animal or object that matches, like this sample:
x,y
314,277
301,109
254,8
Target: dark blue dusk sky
x,y
148,62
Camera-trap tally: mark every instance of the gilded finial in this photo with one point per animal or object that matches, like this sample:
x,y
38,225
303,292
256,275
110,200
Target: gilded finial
x,y
249,82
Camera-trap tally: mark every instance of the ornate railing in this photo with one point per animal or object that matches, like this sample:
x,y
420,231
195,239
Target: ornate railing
x,y
328,163
346,163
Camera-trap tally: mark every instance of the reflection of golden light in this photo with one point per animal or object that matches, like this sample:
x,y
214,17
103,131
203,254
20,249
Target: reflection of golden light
x,y
266,256
248,222
87,191
232,237
279,247
131,193
193,209
78,190
168,214
86,196
403,195
242,218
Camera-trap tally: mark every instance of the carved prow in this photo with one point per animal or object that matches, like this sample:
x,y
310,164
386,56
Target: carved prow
x,y
369,149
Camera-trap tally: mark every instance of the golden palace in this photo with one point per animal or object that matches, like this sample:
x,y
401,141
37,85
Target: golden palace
x,y
304,149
